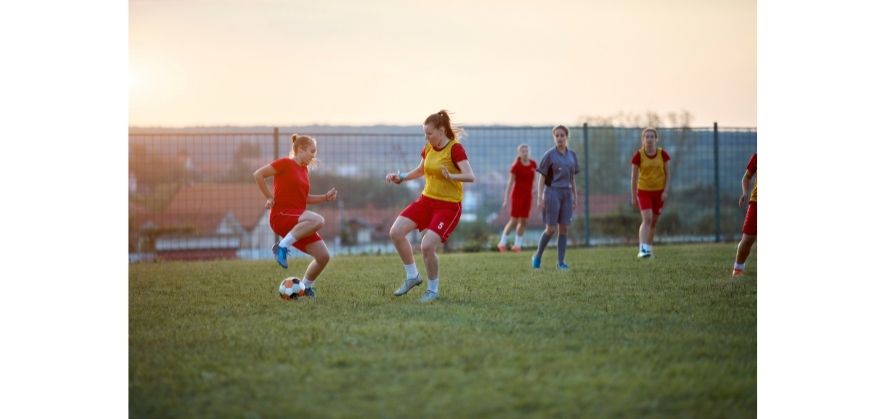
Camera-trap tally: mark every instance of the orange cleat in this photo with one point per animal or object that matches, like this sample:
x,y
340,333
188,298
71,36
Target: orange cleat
x,y
502,247
737,273
516,249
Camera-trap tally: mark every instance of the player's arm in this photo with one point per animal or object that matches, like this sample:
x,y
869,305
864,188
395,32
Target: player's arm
x,y
331,195
402,177
508,190
666,180
541,188
574,192
745,187
466,174
261,174
634,184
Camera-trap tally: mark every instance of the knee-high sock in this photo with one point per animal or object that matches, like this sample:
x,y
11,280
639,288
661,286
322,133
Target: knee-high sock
x,y
542,244
560,247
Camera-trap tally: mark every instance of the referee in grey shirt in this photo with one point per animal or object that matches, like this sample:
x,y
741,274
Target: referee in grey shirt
x,y
557,201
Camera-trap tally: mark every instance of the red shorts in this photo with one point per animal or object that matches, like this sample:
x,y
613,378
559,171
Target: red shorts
x,y
283,221
650,200
750,220
441,217
520,206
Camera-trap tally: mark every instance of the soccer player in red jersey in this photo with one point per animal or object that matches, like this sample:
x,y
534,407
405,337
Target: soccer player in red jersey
x,y
437,211
519,191
649,182
289,217
749,230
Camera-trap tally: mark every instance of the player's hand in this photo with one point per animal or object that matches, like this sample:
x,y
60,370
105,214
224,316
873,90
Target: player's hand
x,y
663,196
269,203
633,201
541,204
742,200
445,173
574,202
394,178
332,194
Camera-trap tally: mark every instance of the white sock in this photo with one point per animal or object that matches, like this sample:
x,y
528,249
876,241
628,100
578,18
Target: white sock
x,y
433,285
739,265
503,238
648,247
306,283
411,271
288,240
518,241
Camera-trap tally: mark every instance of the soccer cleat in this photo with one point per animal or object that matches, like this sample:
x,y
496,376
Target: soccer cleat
x,y
280,253
644,255
536,261
310,293
429,296
516,249
562,266
408,284
502,247
737,273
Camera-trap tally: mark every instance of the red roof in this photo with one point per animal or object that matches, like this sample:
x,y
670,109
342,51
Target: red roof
x,y
244,200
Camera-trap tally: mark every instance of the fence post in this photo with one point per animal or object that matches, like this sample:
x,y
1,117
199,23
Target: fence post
x,y
716,179
586,185
276,143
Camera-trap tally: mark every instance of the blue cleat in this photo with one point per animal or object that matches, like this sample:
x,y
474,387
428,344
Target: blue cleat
x,y
407,285
280,253
310,293
562,266
536,261
429,296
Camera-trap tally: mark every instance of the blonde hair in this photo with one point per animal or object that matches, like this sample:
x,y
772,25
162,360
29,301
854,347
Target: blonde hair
x,y
654,130
517,151
299,141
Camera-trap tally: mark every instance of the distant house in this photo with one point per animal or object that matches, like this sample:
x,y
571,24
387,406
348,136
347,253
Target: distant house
x,y
204,221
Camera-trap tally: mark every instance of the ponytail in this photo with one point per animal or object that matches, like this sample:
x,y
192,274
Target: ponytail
x,y
441,119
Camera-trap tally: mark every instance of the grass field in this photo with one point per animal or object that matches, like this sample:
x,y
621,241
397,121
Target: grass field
x,y
614,337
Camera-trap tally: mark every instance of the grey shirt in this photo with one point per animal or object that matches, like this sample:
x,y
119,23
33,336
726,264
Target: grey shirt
x,y
565,167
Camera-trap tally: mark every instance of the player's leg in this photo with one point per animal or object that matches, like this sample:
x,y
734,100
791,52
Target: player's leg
x,y
645,233
309,222
502,244
561,244
551,217
401,227
747,240
651,230
320,254
429,244
520,232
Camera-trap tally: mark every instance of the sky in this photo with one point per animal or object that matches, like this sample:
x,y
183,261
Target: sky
x,y
274,62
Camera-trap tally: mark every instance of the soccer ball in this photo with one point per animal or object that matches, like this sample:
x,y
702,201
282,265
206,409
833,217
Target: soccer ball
x,y
290,288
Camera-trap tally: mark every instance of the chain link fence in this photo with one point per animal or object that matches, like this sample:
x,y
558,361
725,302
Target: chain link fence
x,y
192,194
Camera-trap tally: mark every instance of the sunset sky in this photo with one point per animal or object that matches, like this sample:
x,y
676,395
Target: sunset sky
x,y
275,62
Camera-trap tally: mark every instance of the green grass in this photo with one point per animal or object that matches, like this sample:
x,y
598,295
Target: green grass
x,y
615,337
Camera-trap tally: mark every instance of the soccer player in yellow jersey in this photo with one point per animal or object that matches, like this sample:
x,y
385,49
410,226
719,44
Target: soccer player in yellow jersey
x,y
437,211
649,182
749,229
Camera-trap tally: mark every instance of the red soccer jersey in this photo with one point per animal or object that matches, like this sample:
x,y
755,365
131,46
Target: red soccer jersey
x,y
751,167
523,178
291,185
